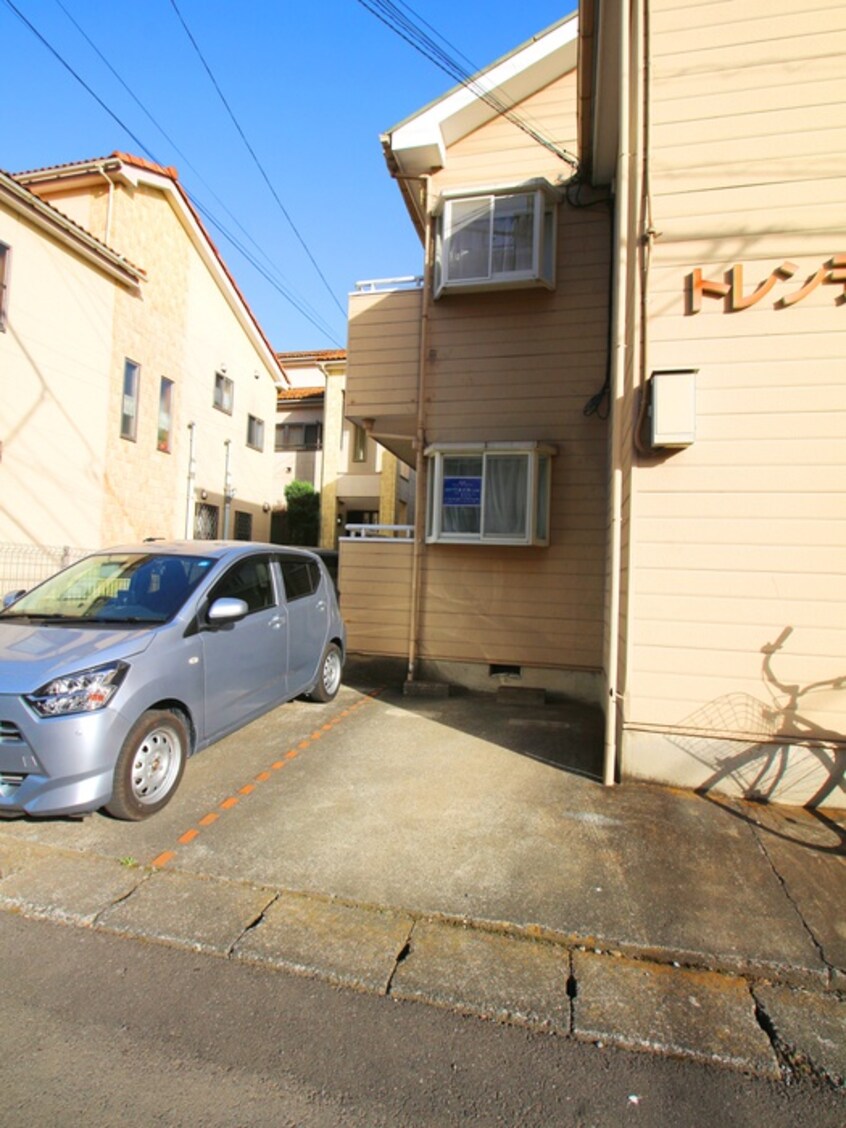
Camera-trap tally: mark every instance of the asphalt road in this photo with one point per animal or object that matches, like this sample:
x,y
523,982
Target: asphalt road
x,y
100,1030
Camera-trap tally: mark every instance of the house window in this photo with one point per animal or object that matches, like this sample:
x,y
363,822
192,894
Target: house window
x,y
255,432
129,401
299,436
224,393
165,431
243,525
359,445
489,493
205,521
5,262
497,240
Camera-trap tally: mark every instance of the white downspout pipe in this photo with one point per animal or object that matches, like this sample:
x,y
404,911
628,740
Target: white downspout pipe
x,y
189,492
618,372
227,492
420,445
107,238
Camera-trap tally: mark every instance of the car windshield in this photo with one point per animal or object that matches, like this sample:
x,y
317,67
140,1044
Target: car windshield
x,y
118,587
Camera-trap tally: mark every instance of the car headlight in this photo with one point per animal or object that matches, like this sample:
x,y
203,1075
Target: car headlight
x,y
82,692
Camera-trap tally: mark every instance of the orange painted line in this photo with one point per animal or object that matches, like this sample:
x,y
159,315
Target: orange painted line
x,y
227,804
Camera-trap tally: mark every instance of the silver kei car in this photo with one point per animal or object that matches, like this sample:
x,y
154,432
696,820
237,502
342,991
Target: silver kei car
x,y
117,669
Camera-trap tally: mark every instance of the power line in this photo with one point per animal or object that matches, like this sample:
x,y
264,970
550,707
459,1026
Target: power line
x,y
402,25
184,158
301,307
258,163
82,81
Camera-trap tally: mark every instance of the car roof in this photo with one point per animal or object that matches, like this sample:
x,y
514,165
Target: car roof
x,y
218,550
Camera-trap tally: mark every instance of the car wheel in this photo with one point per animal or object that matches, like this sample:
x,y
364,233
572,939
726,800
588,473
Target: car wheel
x,y
329,679
150,765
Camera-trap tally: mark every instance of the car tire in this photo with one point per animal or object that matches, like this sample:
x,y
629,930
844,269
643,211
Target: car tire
x,y
150,765
329,678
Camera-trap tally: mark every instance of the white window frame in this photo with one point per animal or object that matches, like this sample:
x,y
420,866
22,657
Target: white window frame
x,y
224,393
537,498
541,271
164,435
359,443
129,400
255,432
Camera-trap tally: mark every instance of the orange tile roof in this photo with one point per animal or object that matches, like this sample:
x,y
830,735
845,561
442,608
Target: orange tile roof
x,y
315,355
171,173
288,394
72,226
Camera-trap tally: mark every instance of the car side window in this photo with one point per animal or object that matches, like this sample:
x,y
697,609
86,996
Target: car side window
x,y
301,577
250,580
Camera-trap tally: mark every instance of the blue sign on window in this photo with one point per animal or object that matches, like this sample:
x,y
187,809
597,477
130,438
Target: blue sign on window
x,y
462,491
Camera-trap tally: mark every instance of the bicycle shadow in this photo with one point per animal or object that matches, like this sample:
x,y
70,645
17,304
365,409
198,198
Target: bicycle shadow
x,y
787,755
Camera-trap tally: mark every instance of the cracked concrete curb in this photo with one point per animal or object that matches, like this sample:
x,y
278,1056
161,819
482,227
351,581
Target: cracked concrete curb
x,y
760,1021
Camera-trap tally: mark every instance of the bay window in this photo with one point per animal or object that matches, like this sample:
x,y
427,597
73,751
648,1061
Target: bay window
x,y
496,239
489,493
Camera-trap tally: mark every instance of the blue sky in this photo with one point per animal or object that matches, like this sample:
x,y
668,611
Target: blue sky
x,y
312,85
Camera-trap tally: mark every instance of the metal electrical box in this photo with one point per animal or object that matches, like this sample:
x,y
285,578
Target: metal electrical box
x,y
673,405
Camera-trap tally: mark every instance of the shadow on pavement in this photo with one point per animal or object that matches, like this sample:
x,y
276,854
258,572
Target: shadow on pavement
x,y
563,733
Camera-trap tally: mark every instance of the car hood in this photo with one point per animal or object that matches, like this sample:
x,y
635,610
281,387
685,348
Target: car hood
x,y
31,655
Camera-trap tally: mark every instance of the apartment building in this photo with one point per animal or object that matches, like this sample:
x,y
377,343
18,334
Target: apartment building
x,y
621,386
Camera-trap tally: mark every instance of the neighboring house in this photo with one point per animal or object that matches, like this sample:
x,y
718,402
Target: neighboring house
x,y
624,391
359,482
139,391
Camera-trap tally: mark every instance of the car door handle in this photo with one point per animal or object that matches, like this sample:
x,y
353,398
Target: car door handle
x,y
321,605
277,621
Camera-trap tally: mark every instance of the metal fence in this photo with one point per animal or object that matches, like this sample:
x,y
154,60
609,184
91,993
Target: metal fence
x,y
25,565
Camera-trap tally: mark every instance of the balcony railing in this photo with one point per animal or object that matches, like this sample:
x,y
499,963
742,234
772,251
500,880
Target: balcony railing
x,y
383,285
382,532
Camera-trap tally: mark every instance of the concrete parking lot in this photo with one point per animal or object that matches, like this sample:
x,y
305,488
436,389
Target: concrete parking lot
x,y
461,851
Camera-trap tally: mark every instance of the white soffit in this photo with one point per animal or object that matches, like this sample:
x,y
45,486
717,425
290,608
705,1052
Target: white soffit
x,y
419,144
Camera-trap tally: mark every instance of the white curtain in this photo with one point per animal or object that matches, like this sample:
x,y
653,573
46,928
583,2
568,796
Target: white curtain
x,y
506,480
469,239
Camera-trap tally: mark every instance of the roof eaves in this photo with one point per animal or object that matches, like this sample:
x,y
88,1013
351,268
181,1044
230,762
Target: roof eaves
x,y
23,199
425,134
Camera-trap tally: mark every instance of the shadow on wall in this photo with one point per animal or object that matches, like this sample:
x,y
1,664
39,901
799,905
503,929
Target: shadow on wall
x,y
795,761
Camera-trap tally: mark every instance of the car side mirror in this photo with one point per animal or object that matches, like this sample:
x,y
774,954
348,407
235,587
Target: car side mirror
x,y
12,597
226,610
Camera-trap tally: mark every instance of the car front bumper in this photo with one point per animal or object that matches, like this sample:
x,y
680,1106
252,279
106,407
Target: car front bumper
x,y
56,765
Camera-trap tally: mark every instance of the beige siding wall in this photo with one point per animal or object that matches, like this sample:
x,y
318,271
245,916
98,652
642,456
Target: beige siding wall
x,y
521,365
383,349
509,365
739,542
374,580
500,152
